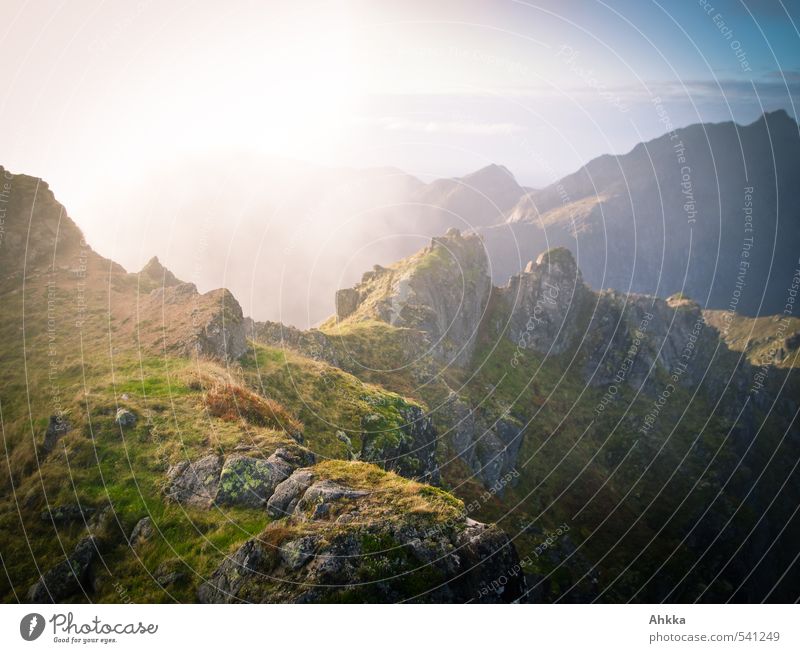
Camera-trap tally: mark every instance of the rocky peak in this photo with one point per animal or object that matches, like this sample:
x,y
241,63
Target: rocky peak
x,y
543,301
36,233
441,291
156,273
779,119
491,178
558,262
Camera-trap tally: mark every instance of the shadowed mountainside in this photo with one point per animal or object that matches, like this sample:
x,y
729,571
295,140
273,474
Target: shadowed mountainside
x,y
159,440
710,210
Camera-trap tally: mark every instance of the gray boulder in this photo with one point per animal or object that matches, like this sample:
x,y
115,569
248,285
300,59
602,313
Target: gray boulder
x,y
143,531
195,484
238,480
249,482
69,577
287,494
230,580
125,417
317,501
296,553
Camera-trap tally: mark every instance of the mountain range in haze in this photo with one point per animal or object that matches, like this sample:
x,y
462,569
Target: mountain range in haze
x,y
710,210
440,438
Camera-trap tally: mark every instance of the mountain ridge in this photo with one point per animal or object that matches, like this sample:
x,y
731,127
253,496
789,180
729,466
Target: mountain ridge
x,y
630,218
539,394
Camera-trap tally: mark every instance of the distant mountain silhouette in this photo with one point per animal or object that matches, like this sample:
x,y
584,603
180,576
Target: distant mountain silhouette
x,y
299,232
479,199
670,216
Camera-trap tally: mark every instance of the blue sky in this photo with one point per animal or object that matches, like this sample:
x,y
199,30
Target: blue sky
x,y
571,80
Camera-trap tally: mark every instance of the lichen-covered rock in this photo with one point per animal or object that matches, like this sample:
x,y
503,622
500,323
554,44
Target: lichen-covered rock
x,y
246,481
295,553
194,484
69,577
350,536
236,480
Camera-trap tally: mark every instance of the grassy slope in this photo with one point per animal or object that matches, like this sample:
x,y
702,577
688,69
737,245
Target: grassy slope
x,y
81,337
628,500
758,337
567,463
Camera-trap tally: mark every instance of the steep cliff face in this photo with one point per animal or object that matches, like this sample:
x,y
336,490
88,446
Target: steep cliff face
x,y
613,436
152,307
336,524
543,303
441,292
674,214
37,234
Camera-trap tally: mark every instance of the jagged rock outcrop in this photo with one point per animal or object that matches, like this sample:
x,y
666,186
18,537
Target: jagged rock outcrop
x,y
37,233
445,295
441,292
247,481
347,301
543,303
209,325
154,273
409,450
631,336
652,344
236,480
489,446
224,334
330,537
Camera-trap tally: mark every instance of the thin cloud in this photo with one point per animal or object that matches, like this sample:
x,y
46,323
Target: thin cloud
x,y
451,126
